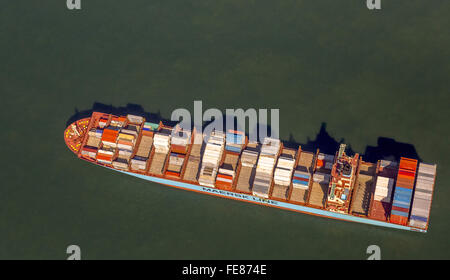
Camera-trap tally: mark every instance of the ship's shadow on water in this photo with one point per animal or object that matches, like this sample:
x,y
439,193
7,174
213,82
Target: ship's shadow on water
x,y
387,148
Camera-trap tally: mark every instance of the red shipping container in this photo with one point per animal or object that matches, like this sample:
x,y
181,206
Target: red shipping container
x,y
225,176
320,163
400,209
407,163
380,210
399,220
406,173
173,174
179,149
104,157
301,179
224,185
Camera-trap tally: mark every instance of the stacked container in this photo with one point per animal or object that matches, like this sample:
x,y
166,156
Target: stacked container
x,y
403,191
175,164
234,141
139,163
125,154
383,189
89,152
161,143
283,174
102,122
248,161
225,178
211,159
105,156
382,202
94,137
109,137
301,179
283,170
96,132
227,171
138,120
420,210
148,126
180,140
117,121
120,163
125,144
265,167
249,158
125,141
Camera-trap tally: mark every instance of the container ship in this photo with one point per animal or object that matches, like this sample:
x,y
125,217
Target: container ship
x,y
226,164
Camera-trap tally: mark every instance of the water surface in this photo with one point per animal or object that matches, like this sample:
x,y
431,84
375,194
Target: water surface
x,y
366,74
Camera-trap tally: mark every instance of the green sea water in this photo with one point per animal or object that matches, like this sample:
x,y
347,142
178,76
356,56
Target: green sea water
x,y
366,74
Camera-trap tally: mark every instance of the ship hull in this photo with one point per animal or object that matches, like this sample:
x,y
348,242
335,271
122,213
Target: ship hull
x,y
91,141
267,202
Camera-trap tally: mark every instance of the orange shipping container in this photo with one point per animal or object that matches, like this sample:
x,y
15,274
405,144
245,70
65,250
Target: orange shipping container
x,y
399,220
173,174
104,157
407,163
320,163
224,185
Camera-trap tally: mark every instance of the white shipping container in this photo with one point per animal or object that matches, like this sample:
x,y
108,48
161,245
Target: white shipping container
x,y
105,152
135,119
383,189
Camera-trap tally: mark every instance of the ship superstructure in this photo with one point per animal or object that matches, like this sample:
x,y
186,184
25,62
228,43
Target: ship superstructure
x,y
342,181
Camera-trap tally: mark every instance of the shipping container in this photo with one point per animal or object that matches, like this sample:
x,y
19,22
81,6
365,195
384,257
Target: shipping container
x,y
227,171
421,205
176,163
109,137
211,158
180,140
135,119
148,126
270,150
283,174
301,177
235,141
247,169
403,191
